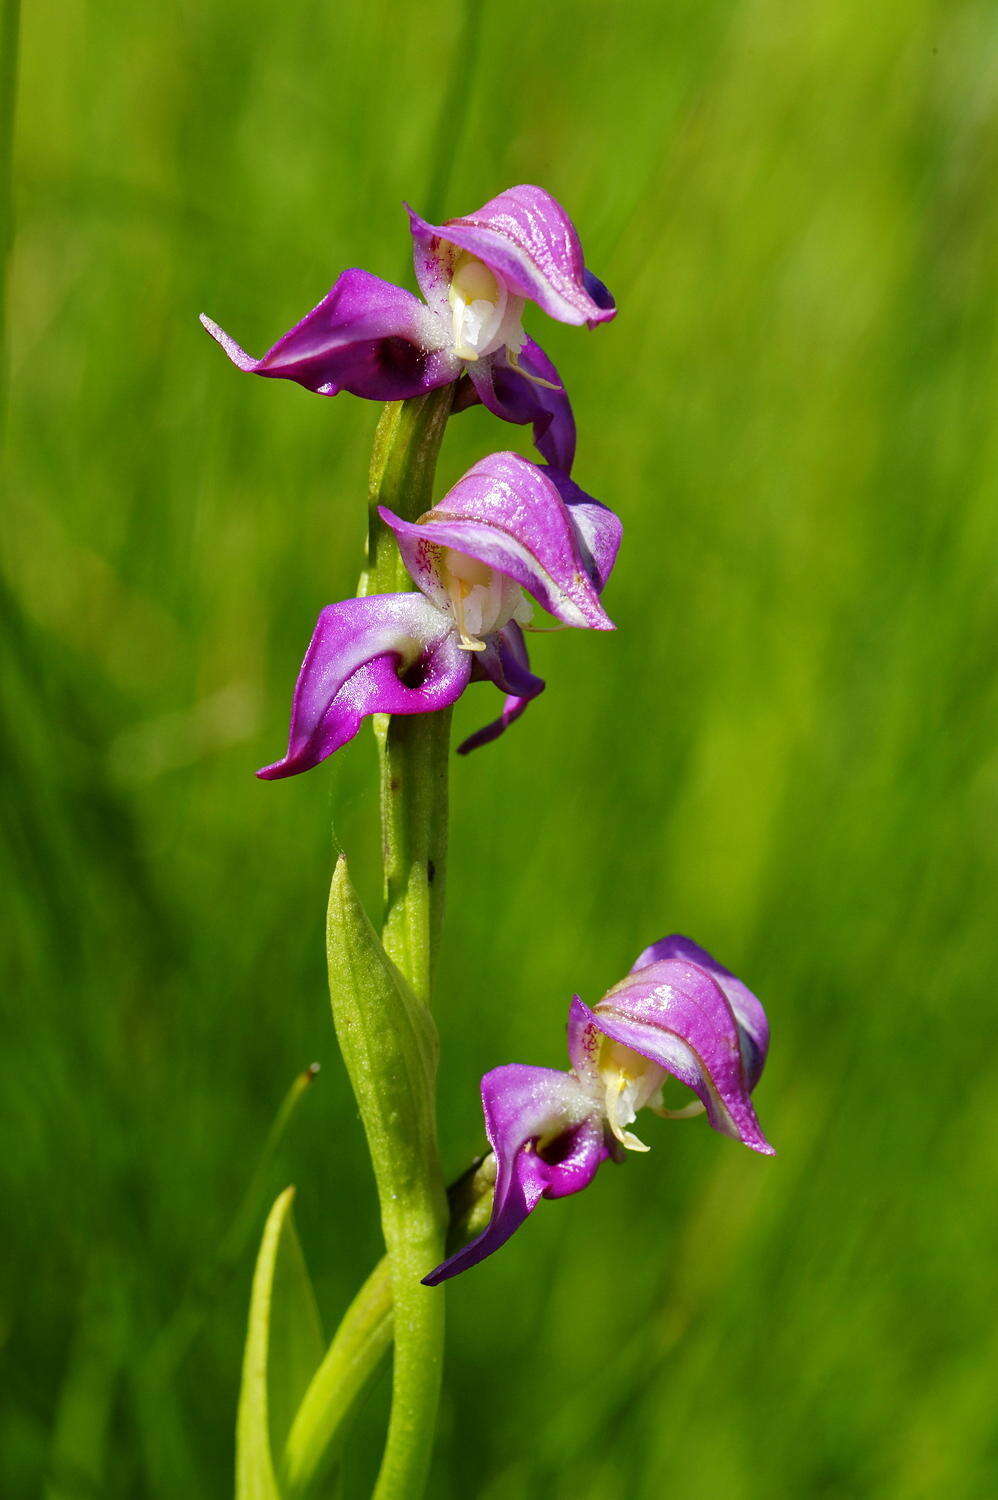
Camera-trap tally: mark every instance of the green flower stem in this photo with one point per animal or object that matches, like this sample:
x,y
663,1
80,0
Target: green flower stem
x,y
413,751
383,1024
361,1343
403,465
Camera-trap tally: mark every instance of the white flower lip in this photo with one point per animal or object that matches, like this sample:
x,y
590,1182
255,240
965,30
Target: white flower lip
x,y
484,315
629,1081
480,599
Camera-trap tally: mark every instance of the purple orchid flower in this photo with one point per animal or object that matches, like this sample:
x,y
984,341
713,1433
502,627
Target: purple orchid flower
x,y
677,1012
506,530
476,273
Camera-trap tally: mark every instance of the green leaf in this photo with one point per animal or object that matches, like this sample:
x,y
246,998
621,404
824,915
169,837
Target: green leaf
x,y
389,1044
284,1347
350,1364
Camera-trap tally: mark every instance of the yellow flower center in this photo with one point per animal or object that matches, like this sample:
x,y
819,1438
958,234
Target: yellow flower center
x,y
481,599
483,314
629,1081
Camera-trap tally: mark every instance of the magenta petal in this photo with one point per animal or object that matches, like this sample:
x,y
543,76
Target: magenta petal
x,y
584,1039
504,661
525,237
675,1013
433,262
365,336
548,1141
749,1014
352,667
508,393
508,514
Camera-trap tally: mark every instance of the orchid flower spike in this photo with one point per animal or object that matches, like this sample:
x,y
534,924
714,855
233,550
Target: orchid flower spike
x,y
507,530
677,1012
477,274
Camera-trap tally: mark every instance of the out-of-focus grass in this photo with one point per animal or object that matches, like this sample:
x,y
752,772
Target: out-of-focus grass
x,y
788,750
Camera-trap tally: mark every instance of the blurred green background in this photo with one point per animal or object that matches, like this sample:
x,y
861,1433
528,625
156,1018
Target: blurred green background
x,y
787,751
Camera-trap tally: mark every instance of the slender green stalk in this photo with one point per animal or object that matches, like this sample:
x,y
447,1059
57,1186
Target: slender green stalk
x,y
414,766
414,831
413,751
382,1021
403,465
361,1343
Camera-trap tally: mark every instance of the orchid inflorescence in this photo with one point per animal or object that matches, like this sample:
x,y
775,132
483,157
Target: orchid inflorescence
x,y
510,536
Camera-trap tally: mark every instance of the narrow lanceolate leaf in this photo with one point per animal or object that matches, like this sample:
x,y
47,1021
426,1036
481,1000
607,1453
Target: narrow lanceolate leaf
x,y
350,1364
284,1347
389,1045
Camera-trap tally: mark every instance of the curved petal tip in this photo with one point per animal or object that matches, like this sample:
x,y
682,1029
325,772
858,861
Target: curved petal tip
x,y
236,353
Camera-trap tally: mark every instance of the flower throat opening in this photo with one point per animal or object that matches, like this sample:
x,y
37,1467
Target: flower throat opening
x,y
483,314
481,600
629,1082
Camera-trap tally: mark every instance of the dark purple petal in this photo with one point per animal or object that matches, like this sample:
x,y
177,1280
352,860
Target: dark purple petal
x,y
676,1014
354,666
508,393
598,528
465,395
508,514
600,293
365,336
504,661
547,1136
513,707
525,237
749,1014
